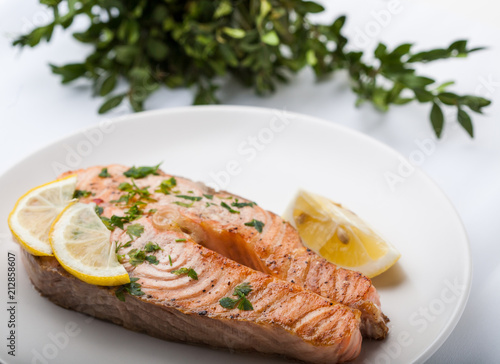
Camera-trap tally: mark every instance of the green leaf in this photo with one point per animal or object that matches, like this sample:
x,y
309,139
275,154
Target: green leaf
x,y
108,85
81,194
151,247
228,302
50,2
69,72
141,172
126,54
223,9
228,208
104,173
245,305
192,198
234,32
437,119
135,230
111,103
475,103
271,38
243,289
258,225
189,271
448,98
157,49
308,7
466,122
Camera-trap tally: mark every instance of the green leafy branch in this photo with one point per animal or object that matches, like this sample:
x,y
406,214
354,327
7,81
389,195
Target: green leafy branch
x,y
259,42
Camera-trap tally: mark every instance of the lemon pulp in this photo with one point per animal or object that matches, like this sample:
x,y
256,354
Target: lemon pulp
x,y
339,235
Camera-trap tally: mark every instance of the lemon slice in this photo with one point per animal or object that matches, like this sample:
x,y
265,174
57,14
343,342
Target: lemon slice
x,y
35,211
339,235
81,243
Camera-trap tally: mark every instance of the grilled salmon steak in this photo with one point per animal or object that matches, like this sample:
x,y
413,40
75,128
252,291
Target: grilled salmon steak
x,y
225,223
285,320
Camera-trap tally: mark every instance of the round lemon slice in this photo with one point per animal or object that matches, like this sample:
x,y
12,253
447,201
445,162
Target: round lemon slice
x,y
81,243
339,235
35,211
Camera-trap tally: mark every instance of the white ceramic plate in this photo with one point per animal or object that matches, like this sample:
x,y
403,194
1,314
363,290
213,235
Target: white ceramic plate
x,y
264,155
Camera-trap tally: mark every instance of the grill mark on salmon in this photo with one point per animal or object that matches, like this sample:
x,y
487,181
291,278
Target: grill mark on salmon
x,y
286,320
278,250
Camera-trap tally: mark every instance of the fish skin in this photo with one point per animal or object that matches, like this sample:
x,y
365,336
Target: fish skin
x,y
278,250
286,319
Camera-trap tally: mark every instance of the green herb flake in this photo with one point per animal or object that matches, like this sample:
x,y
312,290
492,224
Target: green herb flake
x,y
152,247
242,204
81,194
152,259
133,288
141,172
258,225
228,208
191,198
104,173
135,230
180,240
241,302
120,245
184,204
189,271
210,197
170,259
166,186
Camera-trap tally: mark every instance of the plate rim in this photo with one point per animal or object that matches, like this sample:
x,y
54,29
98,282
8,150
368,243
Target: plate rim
x,y
457,313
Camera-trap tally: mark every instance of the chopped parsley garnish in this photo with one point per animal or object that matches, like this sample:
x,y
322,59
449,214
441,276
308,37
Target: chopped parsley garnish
x,y
243,204
81,193
258,225
141,172
114,222
179,240
135,230
191,198
170,260
98,210
133,213
226,206
104,173
138,256
152,259
133,288
210,197
133,192
151,247
119,246
241,291
184,204
167,185
189,271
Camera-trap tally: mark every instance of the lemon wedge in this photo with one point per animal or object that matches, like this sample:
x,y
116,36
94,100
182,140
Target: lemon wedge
x,y
81,243
35,211
339,235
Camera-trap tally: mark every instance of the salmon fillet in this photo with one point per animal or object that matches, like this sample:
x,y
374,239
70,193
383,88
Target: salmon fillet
x,y
286,319
277,250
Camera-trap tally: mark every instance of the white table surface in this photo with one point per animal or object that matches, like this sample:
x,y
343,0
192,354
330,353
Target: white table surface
x,y
36,110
